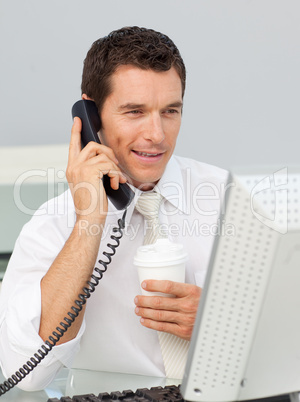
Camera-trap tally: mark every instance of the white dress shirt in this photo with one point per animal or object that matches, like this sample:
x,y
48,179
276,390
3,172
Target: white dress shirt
x,y
111,337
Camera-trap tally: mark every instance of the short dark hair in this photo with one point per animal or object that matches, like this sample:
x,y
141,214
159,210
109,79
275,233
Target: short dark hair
x,y
140,47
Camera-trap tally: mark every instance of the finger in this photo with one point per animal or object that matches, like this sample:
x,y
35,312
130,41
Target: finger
x,y
94,148
175,317
116,177
103,159
161,326
107,167
169,287
187,304
75,141
171,328
158,303
160,315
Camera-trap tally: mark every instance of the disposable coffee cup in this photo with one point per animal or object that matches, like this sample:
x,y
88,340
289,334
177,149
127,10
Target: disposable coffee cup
x,y
162,260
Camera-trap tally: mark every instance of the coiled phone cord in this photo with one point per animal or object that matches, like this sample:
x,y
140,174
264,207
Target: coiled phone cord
x,y
64,326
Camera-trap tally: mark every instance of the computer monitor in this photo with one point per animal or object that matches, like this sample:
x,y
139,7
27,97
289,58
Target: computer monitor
x,y
246,340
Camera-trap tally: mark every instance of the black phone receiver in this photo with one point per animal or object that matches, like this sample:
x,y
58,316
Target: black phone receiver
x,y
87,111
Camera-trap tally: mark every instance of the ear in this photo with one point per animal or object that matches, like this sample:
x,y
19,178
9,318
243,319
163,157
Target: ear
x,y
85,97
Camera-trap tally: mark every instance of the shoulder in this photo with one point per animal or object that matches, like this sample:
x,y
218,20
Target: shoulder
x,y
57,213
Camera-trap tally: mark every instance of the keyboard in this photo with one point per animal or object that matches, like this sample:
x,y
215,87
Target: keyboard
x,y
155,394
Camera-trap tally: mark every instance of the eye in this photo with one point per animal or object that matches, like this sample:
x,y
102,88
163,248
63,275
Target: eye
x,y
172,111
134,112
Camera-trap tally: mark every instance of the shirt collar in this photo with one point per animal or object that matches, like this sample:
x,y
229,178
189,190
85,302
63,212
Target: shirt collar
x,y
170,186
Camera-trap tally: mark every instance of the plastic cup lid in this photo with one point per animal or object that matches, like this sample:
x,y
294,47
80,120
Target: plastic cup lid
x,y
162,252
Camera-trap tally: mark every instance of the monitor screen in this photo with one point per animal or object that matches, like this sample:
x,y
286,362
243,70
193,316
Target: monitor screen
x,y
246,339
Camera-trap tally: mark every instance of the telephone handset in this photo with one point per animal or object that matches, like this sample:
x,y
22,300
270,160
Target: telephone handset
x,y
87,111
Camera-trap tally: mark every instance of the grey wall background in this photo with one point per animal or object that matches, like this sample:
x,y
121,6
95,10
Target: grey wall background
x,y
243,60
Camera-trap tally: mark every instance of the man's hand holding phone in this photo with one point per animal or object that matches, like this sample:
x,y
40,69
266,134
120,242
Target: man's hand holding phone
x,y
85,170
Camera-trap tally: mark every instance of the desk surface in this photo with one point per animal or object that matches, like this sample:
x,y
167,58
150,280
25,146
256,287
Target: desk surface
x,y
80,382
76,382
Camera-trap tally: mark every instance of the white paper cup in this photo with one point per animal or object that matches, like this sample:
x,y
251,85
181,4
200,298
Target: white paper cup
x,y
162,260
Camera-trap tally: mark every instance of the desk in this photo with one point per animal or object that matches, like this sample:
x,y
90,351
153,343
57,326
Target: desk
x,y
80,382
74,382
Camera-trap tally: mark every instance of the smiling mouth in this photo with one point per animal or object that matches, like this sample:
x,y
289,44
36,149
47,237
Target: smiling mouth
x,y
146,154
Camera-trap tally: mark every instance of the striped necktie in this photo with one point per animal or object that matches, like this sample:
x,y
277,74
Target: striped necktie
x,y
148,205
174,349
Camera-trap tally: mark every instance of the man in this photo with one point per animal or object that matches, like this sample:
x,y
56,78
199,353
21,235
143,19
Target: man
x,y
136,77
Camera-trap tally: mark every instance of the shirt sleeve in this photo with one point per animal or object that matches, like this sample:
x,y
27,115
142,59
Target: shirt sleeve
x,y
20,304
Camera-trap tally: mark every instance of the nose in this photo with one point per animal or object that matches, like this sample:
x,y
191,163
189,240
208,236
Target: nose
x,y
155,130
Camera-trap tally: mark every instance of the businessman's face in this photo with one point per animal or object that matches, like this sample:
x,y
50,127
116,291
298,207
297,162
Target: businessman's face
x,y
141,120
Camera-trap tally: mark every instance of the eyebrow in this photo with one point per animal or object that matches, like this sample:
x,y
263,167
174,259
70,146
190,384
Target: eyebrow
x,y
130,106
176,104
